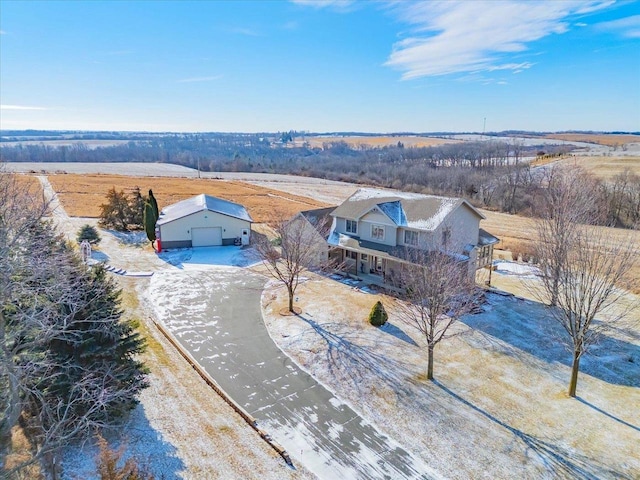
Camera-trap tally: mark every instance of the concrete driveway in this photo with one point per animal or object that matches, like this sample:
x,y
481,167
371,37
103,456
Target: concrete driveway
x,y
215,313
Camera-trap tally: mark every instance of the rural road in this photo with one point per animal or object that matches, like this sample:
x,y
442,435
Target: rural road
x,y
215,313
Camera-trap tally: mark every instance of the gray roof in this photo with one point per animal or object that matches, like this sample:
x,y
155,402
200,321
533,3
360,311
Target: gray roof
x,y
485,238
411,210
199,203
320,219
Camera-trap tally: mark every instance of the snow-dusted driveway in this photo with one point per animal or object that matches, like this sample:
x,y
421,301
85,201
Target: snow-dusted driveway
x,y
215,313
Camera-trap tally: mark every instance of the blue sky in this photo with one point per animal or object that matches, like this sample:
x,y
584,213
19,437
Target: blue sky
x,y
334,65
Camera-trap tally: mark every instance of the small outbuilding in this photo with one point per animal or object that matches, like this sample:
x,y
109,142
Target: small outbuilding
x,y
203,221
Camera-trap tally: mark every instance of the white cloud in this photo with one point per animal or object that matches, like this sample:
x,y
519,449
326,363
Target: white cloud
x,y
628,27
2,32
464,36
20,107
200,79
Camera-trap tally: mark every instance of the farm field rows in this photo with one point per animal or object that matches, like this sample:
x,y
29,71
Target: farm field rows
x,y
611,140
82,195
264,194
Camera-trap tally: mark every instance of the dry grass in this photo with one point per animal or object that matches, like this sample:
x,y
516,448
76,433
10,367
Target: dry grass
x,y
490,390
381,141
21,452
611,140
517,235
605,168
28,183
82,195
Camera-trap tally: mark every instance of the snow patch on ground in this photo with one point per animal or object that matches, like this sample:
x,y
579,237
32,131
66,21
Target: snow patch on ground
x,y
202,258
513,268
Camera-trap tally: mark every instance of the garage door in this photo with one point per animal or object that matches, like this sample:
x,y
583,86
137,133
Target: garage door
x,y
206,237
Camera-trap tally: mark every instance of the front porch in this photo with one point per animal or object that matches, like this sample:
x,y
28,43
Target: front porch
x,y
371,270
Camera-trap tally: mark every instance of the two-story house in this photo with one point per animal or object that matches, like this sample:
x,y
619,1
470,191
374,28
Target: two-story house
x,y
373,230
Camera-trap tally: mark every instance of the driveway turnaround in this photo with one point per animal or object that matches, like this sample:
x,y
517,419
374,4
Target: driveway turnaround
x,y
215,314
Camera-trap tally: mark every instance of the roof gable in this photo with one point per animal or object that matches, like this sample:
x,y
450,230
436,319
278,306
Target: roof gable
x,y
411,210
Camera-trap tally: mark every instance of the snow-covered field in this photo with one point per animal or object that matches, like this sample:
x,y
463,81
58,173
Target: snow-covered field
x,y
129,168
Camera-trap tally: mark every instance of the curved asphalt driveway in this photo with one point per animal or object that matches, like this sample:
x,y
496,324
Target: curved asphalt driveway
x,y
216,314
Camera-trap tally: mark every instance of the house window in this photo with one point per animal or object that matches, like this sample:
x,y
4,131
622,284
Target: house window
x,y
446,236
410,238
350,254
364,257
377,232
352,226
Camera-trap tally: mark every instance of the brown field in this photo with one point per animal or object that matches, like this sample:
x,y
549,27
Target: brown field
x,y
600,138
82,195
606,168
381,141
517,235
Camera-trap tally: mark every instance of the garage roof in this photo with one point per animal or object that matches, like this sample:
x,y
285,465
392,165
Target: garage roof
x,y
199,203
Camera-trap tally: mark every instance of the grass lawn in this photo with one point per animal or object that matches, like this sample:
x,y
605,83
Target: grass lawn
x,y
498,407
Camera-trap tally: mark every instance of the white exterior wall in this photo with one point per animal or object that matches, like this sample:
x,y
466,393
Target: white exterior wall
x,y
464,225
312,236
425,239
180,229
377,218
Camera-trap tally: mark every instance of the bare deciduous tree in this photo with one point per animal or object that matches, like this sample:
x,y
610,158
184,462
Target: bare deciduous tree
x,y
295,249
583,269
568,201
439,290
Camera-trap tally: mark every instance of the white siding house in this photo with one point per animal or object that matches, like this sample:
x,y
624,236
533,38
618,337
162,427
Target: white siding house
x,y
374,229
203,221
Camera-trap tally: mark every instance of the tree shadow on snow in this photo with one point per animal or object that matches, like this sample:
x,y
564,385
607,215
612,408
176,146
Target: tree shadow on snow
x,y
520,328
99,256
398,333
562,463
141,441
359,361
612,417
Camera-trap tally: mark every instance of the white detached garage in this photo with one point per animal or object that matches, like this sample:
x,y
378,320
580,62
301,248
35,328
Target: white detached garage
x,y
203,221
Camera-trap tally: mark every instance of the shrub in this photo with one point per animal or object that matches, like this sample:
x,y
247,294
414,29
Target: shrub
x,y
109,460
378,315
90,233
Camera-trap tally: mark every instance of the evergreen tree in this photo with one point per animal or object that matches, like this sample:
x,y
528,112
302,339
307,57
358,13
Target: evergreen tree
x,y
89,233
135,211
69,355
154,204
150,220
378,315
114,213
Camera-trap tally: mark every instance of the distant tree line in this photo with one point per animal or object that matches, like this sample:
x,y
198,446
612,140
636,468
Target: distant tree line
x,y
491,174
